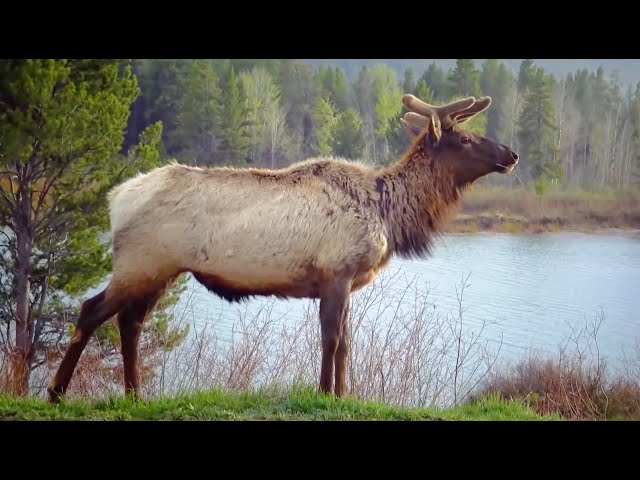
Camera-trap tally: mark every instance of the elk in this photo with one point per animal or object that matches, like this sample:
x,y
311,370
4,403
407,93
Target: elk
x,y
320,229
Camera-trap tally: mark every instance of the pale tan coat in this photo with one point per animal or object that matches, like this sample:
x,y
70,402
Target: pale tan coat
x,y
253,229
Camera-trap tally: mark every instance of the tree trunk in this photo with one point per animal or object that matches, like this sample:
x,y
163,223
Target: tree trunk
x,y
513,117
22,350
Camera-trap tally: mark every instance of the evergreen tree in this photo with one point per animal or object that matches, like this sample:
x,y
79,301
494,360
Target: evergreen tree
x,y
635,135
298,96
537,129
423,92
464,79
436,80
340,90
527,69
198,115
232,123
496,81
349,135
409,84
161,89
61,124
503,96
325,120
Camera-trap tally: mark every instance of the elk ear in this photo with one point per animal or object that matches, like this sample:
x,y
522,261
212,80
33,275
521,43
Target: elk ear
x,y
435,129
412,129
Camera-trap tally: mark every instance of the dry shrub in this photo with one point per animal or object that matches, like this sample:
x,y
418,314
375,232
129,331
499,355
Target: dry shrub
x,y
403,351
574,383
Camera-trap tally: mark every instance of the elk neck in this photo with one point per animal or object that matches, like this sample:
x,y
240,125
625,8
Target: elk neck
x,y
416,196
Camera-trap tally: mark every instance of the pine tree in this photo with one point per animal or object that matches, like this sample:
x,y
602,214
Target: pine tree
x,y
198,116
527,69
496,81
436,80
325,120
161,89
504,96
537,130
635,136
464,79
409,84
349,135
423,92
340,90
62,124
387,108
232,123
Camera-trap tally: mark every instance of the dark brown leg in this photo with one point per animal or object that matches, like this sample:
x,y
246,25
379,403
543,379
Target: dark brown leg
x,y
130,322
342,352
333,302
93,313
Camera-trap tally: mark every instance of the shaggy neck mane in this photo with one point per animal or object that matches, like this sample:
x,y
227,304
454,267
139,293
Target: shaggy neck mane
x,y
416,198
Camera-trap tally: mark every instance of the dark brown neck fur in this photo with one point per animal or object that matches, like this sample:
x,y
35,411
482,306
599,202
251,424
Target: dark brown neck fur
x,y
417,197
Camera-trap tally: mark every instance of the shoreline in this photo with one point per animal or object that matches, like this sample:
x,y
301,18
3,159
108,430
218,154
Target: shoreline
x,y
503,210
498,223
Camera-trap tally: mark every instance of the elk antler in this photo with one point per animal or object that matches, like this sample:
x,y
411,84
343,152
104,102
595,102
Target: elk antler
x,y
414,122
455,112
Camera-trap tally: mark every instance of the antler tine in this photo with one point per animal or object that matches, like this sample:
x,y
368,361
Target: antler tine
x,y
445,112
480,106
414,123
416,119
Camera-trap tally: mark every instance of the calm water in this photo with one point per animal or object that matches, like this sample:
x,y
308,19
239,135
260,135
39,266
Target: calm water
x,y
536,287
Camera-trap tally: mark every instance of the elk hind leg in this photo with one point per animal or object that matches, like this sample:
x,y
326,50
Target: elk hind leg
x,y
130,322
93,313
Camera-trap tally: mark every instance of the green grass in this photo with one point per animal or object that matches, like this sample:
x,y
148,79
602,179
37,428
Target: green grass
x,y
296,404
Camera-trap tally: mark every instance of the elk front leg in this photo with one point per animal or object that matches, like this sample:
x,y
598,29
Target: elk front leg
x,y
333,303
342,352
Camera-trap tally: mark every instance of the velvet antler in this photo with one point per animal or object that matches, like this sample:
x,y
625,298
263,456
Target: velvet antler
x,y
453,113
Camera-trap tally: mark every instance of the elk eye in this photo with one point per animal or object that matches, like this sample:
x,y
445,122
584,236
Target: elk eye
x,y
465,139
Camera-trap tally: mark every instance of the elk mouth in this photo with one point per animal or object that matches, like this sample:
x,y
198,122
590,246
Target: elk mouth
x,y
508,168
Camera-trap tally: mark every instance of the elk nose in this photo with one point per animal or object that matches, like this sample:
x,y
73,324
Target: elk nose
x,y
514,155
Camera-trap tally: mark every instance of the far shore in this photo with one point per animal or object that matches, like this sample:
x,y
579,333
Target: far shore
x,y
497,223
502,210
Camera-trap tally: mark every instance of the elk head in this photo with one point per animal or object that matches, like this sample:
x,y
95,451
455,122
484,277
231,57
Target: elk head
x,y
466,155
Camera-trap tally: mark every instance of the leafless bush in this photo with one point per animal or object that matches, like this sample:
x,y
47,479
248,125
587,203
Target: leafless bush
x,y
575,382
403,351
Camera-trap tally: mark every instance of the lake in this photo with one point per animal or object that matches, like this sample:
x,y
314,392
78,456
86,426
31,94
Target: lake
x,y
535,287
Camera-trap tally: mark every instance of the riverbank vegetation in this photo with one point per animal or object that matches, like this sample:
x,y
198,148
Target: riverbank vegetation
x,y
71,129
407,356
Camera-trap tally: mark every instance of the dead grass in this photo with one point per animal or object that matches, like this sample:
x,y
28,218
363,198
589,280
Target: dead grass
x,y
492,208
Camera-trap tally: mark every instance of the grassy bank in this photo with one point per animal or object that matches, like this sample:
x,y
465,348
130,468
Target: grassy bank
x,y
297,404
495,209
417,357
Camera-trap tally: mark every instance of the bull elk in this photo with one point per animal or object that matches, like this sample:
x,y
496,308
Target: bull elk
x,y
320,229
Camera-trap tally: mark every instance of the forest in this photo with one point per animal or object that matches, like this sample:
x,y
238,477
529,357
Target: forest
x,y
579,130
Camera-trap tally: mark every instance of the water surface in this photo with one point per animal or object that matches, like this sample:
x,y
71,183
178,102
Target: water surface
x,y
536,288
